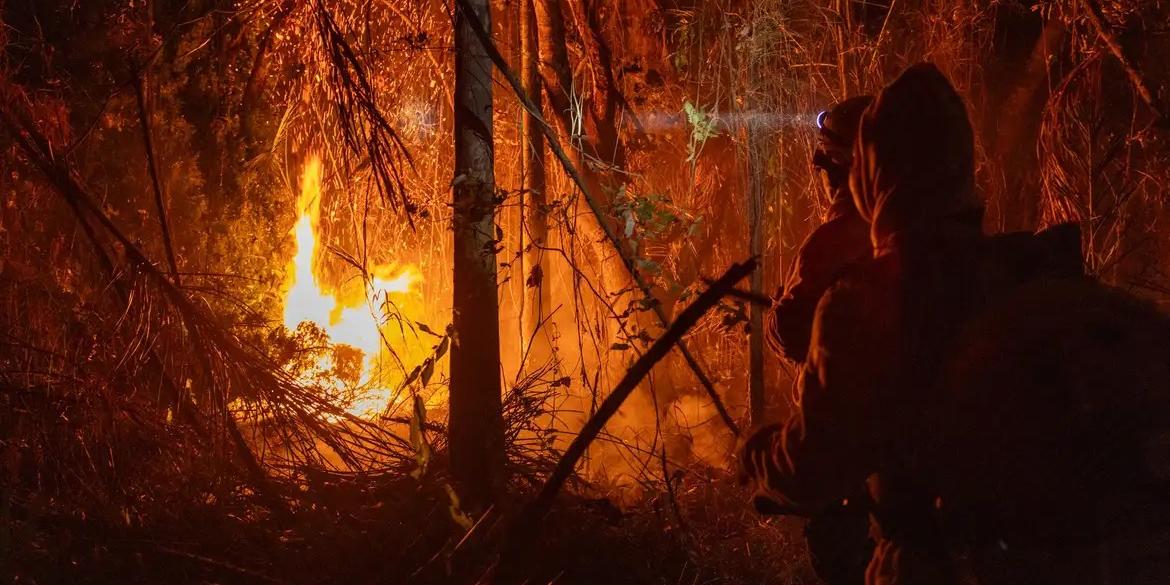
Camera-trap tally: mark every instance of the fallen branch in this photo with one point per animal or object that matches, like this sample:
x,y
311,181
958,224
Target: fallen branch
x,y
598,213
525,531
744,295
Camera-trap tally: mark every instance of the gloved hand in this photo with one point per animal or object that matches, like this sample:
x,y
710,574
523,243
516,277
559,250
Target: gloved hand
x,y
755,456
754,451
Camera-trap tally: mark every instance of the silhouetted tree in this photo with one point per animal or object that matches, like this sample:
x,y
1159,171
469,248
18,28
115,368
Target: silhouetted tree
x,y
476,420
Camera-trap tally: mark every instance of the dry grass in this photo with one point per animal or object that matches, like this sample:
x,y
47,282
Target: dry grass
x,y
148,429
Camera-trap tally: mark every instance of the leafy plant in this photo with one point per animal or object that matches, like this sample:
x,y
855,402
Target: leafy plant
x,y
704,126
647,219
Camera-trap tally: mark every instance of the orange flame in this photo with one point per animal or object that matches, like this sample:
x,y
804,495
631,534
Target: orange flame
x,y
348,319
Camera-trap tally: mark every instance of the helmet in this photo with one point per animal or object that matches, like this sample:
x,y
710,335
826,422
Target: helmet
x,y
839,123
838,130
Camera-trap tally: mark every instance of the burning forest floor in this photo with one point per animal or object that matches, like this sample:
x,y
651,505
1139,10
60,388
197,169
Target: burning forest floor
x,y
399,530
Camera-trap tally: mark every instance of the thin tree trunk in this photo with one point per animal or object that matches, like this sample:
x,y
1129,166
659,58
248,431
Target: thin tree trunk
x,y
590,130
554,57
476,419
567,109
588,188
756,312
534,206
755,209
1017,126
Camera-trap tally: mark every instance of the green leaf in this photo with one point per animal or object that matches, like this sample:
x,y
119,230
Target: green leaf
x,y
703,127
703,124
648,266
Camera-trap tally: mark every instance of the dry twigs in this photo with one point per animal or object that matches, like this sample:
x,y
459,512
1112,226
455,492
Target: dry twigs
x,y
364,128
1147,95
139,82
525,530
228,367
598,213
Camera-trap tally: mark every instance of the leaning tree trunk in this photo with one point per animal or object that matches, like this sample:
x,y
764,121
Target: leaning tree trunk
x,y
534,207
584,146
476,421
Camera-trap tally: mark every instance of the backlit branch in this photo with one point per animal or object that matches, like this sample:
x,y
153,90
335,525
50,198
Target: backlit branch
x,y
599,214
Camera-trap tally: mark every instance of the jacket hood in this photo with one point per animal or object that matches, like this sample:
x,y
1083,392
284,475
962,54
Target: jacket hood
x,y
914,159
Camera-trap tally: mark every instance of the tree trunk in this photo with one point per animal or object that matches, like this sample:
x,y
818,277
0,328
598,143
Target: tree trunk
x,y
1016,127
755,208
755,205
569,116
584,148
554,57
596,137
476,419
533,202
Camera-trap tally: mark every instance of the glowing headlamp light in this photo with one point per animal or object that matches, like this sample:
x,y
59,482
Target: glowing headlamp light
x,y
821,119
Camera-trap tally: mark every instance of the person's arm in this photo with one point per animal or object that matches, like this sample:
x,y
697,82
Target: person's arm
x,y
820,261
832,442
789,320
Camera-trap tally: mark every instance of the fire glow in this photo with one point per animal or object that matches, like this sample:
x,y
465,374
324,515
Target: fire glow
x,y
348,315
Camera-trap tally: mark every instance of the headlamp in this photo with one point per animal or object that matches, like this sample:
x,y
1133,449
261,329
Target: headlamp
x,y
821,119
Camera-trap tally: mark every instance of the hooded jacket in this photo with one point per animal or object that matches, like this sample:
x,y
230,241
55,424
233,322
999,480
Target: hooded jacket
x,y
914,160
987,395
830,249
855,406
880,332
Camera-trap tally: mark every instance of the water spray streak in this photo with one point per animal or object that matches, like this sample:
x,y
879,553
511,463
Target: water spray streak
x,y
655,122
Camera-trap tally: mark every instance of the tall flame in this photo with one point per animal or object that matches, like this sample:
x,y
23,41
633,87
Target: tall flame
x,y
347,317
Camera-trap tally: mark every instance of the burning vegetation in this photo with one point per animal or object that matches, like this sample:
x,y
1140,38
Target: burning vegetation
x,y
429,291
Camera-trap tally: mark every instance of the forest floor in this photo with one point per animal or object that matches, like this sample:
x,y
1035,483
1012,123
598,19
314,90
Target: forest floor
x,y
400,531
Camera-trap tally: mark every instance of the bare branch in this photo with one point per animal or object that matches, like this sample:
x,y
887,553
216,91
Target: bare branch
x,y
1097,18
364,128
525,531
610,235
148,144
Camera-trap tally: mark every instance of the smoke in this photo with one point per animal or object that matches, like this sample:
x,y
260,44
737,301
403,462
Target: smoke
x,y
651,438
699,435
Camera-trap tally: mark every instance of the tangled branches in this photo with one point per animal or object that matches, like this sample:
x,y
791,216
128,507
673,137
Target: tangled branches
x,y
364,129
